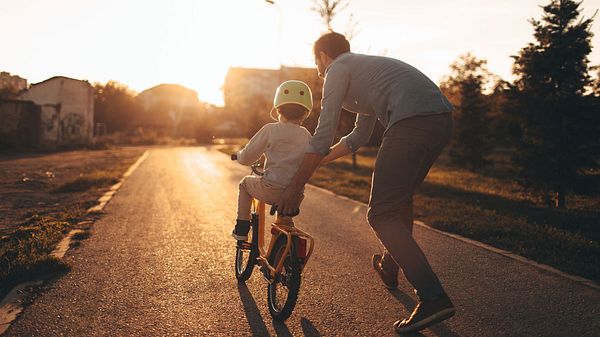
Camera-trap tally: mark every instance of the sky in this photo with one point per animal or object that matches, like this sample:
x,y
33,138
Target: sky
x,y
194,42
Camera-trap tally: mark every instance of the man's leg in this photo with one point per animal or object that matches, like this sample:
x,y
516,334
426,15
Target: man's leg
x,y
408,150
387,265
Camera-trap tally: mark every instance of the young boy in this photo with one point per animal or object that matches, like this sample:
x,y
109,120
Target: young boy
x,y
283,143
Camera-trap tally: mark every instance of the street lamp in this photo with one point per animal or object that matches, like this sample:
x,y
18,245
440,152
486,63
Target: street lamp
x,y
272,2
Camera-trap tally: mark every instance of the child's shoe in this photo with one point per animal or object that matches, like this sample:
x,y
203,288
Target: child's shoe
x,y
242,227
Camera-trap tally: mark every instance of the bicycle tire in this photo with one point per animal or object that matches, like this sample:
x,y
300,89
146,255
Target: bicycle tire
x,y
245,259
290,280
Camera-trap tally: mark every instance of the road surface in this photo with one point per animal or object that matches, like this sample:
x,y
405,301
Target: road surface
x,y
160,262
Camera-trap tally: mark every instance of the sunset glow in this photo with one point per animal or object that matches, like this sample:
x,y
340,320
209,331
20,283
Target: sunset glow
x,y
144,43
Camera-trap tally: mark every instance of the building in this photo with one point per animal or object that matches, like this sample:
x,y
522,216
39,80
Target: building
x,y
170,109
248,94
243,85
67,110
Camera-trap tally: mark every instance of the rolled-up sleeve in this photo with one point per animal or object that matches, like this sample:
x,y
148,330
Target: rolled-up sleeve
x,y
363,128
334,91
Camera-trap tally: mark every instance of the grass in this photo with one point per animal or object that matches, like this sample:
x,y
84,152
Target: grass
x,y
24,255
25,250
489,207
88,181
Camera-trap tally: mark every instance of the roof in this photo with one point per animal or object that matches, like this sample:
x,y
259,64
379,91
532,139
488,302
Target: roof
x,y
60,77
172,90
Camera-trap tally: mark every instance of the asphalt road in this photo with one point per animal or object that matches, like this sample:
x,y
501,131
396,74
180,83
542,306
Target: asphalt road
x,y
160,262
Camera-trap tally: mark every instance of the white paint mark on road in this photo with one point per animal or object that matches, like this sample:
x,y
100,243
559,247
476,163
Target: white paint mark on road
x,y
61,249
11,306
111,192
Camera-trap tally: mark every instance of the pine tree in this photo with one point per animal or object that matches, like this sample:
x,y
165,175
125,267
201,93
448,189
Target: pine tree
x,y
547,100
465,88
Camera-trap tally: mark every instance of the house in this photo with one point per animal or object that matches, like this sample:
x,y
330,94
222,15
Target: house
x,y
243,85
248,94
170,109
66,110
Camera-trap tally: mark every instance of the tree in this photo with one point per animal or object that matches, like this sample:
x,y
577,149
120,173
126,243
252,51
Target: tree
x,y
9,93
547,101
465,88
328,9
115,106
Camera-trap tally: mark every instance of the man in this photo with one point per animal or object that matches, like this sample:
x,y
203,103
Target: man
x,y
418,123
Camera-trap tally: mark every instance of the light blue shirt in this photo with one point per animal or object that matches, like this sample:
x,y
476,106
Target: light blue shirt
x,y
375,88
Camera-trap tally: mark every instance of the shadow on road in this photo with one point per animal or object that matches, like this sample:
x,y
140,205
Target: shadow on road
x,y
257,324
308,328
440,329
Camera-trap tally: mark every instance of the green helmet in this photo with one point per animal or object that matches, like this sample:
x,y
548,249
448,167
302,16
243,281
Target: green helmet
x,y
293,92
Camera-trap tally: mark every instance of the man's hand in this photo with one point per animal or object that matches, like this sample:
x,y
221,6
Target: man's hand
x,y
290,199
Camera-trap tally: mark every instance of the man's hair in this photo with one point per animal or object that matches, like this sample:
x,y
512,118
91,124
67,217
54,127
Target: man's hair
x,y
332,44
292,111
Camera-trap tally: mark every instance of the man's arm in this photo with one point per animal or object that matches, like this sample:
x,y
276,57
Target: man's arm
x,y
337,79
338,150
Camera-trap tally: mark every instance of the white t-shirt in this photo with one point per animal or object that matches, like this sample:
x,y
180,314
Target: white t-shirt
x,y
284,145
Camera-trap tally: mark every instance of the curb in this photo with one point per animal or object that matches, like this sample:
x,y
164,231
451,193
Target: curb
x,y
105,198
543,267
12,305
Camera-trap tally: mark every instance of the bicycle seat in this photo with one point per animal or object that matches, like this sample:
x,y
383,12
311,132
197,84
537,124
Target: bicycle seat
x,y
274,209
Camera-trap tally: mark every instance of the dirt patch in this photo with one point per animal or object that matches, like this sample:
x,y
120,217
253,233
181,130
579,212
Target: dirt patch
x,y
57,185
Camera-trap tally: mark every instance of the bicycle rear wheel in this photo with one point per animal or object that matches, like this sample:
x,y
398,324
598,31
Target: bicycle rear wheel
x,y
282,293
245,254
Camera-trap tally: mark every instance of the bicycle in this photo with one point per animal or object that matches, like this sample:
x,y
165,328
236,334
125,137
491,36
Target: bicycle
x,y
281,263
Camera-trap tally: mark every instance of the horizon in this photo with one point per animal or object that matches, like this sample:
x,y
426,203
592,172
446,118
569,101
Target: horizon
x,y
194,44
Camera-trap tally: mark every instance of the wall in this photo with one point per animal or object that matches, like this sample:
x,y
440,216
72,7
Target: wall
x,y
20,127
74,100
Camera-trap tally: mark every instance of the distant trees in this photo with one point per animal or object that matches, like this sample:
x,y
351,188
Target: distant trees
x,y
115,106
327,10
9,93
547,102
465,88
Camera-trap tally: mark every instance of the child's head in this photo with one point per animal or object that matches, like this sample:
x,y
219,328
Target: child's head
x,y
293,101
292,112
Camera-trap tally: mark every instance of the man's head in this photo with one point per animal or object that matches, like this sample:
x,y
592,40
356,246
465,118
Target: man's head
x,y
327,48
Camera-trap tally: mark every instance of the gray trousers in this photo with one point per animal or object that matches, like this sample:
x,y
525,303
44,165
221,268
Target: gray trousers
x,y
408,150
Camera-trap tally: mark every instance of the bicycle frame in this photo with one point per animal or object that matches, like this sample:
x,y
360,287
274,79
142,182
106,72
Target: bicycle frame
x,y
276,231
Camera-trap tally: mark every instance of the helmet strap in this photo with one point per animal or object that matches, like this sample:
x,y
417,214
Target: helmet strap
x,y
271,114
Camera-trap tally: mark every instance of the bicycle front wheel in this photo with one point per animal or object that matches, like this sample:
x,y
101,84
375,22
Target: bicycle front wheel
x,y
282,293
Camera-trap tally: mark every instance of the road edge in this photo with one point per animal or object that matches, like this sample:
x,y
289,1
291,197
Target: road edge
x,y
543,267
12,304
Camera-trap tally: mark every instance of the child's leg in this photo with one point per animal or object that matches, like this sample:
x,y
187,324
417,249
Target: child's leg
x,y
244,201
242,224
